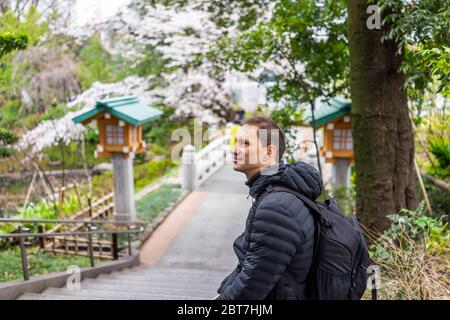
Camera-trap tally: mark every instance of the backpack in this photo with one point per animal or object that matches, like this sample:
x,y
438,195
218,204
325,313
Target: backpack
x,y
340,258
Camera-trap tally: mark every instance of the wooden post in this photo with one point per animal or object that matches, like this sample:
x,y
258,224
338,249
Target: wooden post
x,y
115,246
90,206
41,229
129,241
90,247
23,253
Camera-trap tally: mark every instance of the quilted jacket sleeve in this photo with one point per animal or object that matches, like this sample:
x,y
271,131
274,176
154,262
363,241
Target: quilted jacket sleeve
x,y
274,239
228,279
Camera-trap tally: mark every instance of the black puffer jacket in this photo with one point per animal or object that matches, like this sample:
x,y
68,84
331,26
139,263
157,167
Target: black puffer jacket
x,y
277,244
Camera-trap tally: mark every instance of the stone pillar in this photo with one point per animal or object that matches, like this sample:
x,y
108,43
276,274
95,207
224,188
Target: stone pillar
x,y
188,168
341,172
124,209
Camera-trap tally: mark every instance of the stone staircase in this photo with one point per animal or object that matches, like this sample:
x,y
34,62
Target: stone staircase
x,y
141,283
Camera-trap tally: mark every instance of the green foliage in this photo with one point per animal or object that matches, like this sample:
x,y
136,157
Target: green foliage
x,y
158,150
415,225
346,198
439,200
95,64
103,183
421,32
39,263
438,60
56,112
31,24
150,206
91,135
45,209
11,42
153,63
436,132
289,117
413,257
9,116
440,148
146,173
6,139
159,132
16,34
308,33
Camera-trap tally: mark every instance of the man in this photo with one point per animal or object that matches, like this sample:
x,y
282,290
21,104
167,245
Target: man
x,y
275,251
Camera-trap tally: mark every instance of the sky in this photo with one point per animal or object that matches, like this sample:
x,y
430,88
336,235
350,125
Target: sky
x,y
87,10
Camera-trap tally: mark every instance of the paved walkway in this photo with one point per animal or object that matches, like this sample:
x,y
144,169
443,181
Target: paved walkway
x,y
199,233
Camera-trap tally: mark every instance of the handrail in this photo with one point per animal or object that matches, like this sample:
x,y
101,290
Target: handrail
x,y
78,233
9,220
92,231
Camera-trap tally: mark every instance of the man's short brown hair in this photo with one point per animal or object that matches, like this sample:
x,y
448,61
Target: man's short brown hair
x,y
268,125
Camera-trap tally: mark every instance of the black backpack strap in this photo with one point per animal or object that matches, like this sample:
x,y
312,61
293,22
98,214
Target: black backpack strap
x,y
310,203
317,216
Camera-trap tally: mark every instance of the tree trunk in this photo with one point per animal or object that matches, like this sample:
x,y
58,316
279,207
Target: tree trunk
x,y
382,131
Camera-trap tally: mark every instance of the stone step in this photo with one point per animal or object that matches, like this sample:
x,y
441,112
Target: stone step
x,y
117,295
176,275
179,271
164,278
155,283
48,296
211,287
127,287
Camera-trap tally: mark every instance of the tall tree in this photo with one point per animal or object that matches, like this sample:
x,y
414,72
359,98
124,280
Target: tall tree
x,y
8,43
382,131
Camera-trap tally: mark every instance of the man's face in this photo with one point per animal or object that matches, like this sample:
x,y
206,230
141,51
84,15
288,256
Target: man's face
x,y
249,154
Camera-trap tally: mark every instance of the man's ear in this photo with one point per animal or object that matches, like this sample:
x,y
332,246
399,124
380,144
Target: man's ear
x,y
271,151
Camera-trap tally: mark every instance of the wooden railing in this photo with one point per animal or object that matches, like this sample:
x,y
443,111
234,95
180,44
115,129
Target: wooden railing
x,y
69,238
103,208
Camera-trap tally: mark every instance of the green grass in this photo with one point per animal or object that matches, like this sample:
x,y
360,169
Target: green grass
x,y
39,263
150,206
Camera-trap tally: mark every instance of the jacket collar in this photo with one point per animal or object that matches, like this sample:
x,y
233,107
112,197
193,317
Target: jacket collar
x,y
259,182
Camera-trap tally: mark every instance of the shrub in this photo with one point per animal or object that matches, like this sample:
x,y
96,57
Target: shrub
x,y
148,172
412,256
415,225
45,209
440,148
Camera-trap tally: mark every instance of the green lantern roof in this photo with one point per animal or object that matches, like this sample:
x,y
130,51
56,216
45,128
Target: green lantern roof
x,y
336,108
127,108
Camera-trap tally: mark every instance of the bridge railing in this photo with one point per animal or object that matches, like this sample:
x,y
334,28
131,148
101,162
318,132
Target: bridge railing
x,y
197,167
